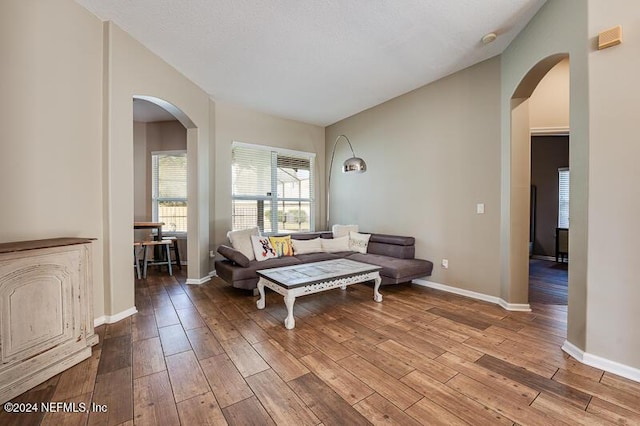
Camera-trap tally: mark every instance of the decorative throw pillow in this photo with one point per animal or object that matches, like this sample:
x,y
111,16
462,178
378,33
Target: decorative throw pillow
x,y
306,246
241,241
282,245
262,248
342,230
333,245
358,242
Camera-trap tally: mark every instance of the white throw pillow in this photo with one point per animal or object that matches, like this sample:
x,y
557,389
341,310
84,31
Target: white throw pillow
x,y
306,246
342,230
262,248
333,245
241,241
359,242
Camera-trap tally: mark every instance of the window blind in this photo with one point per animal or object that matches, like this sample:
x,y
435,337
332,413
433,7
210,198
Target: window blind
x,y
272,188
169,189
563,198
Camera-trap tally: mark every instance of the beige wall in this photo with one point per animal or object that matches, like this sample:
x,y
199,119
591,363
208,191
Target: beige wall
x,y
432,155
613,310
51,126
142,211
558,28
549,103
148,138
235,123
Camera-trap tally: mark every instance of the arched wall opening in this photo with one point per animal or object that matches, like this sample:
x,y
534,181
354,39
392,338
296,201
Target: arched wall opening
x,y
159,127
520,178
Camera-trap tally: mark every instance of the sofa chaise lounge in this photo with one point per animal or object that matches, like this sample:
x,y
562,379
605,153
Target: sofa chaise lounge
x,y
394,254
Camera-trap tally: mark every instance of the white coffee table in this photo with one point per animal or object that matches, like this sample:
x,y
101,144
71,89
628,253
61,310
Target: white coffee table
x,y
309,278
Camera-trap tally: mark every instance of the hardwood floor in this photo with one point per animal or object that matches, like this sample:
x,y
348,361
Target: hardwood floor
x,y
548,282
198,355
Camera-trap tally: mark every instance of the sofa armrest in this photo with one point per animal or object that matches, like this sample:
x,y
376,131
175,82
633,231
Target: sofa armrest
x,y
395,240
392,245
234,255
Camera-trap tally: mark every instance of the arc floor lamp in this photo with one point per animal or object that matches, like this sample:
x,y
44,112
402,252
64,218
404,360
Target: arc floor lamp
x,y
351,165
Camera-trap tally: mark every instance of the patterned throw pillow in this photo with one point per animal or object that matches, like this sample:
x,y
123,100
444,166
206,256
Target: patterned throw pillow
x,y
262,248
282,245
359,242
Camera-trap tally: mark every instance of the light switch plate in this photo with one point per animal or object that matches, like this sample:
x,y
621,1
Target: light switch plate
x,y
480,208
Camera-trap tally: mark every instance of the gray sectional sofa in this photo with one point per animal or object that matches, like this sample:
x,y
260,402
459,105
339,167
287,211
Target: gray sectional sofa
x,y
395,254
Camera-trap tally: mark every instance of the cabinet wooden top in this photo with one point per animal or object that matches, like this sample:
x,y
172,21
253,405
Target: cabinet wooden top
x,y
40,244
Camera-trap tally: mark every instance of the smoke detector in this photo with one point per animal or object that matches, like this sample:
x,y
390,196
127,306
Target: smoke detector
x,y
488,38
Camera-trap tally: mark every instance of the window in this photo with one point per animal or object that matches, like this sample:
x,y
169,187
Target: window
x,y
272,188
169,189
563,198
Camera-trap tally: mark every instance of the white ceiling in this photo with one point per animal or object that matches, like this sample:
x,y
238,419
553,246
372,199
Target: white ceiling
x,y
317,61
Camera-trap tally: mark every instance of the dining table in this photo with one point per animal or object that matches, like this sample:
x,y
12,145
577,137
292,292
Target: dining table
x,y
157,236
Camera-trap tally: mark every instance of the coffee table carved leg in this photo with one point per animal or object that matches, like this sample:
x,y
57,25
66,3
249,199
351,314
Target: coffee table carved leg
x,y
260,302
289,321
376,294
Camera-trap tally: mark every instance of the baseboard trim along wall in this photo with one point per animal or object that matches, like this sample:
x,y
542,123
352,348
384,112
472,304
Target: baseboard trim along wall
x,y
596,361
521,307
198,281
518,307
110,319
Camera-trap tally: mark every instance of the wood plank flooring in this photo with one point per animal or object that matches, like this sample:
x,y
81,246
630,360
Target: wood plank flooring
x,y
197,355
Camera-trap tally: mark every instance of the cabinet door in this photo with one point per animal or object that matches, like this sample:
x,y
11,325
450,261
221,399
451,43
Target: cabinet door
x,y
39,306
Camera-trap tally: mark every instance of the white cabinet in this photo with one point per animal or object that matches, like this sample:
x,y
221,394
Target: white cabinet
x,y
46,311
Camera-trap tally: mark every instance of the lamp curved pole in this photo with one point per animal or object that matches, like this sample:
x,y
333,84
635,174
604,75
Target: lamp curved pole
x,y
333,154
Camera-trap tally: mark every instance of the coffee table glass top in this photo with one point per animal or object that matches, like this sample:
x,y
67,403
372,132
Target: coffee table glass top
x,y
309,273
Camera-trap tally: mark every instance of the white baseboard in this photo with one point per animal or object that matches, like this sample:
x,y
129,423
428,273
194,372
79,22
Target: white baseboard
x,y
110,319
596,361
517,307
523,307
198,281
213,273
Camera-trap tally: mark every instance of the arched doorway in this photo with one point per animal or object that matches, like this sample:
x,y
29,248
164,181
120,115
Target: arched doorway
x,y
155,111
520,183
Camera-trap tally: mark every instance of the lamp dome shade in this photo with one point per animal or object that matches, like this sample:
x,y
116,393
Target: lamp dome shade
x,y
354,165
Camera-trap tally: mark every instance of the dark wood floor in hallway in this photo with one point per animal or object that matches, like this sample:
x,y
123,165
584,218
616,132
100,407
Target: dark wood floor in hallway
x,y
196,355
548,282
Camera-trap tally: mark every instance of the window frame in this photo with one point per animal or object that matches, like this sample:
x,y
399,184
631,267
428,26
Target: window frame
x,y
273,199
